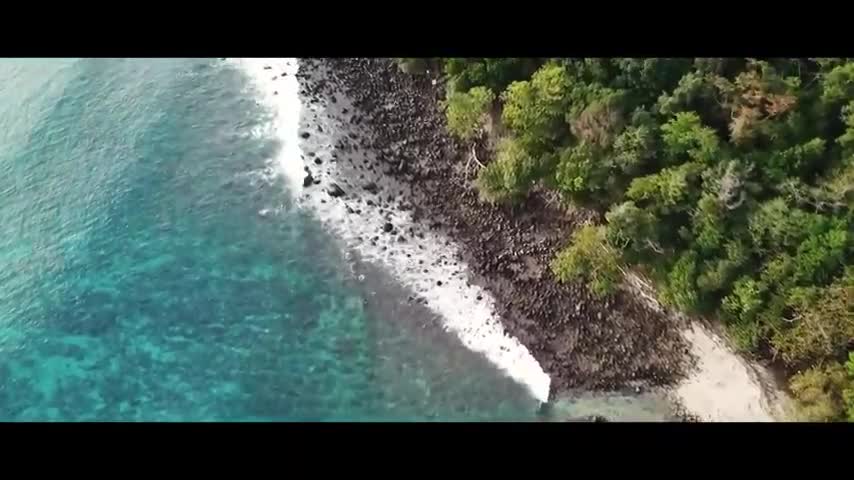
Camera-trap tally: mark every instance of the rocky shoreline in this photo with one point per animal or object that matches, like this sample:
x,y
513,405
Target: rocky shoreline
x,y
581,342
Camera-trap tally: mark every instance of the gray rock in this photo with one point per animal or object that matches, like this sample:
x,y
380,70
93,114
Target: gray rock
x,y
334,190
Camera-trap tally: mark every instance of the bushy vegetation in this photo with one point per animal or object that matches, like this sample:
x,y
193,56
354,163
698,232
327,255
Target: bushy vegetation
x,y
467,111
729,180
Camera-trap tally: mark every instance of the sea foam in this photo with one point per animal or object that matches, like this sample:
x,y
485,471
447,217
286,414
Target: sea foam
x,y
455,301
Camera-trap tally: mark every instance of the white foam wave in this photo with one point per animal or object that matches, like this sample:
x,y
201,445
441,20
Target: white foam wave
x,y
416,264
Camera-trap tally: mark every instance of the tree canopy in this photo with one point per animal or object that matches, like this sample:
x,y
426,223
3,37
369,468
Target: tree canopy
x,y
731,180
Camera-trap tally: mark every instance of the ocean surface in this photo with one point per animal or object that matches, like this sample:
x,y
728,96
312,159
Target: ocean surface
x,y
156,265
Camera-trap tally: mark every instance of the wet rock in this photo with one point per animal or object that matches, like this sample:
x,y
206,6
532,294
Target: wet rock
x,y
582,352
334,190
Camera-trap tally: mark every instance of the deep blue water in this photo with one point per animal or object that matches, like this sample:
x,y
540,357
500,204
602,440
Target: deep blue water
x,y
139,282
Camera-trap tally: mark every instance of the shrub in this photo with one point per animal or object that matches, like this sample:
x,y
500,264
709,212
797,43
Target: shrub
x,y
591,258
466,111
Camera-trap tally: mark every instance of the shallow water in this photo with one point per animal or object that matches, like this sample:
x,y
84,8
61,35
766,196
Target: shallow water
x,y
140,282
154,266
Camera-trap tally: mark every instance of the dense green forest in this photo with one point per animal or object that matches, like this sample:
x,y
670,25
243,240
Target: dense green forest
x,y
727,181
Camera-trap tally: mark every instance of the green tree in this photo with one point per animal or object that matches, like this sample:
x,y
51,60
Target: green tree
x,y
717,274
589,257
730,180
774,226
685,135
745,301
668,190
580,171
534,109
795,160
681,288
707,222
848,393
838,84
820,256
694,89
822,324
648,77
512,173
846,140
634,148
632,227
818,392
492,73
466,111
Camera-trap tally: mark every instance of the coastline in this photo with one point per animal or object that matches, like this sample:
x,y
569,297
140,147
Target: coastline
x,y
582,342
559,339
333,173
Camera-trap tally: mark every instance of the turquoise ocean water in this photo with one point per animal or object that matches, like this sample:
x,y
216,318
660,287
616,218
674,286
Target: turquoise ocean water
x,y
139,282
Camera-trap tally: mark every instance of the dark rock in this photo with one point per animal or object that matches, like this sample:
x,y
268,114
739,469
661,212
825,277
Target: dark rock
x,y
334,190
304,134
308,180
439,283
318,161
413,147
401,238
387,227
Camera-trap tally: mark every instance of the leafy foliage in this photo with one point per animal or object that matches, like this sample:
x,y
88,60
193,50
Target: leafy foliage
x,y
511,174
466,111
823,393
534,109
589,257
732,179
